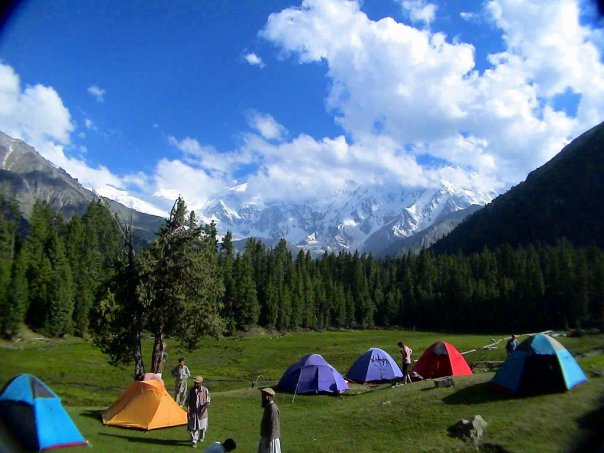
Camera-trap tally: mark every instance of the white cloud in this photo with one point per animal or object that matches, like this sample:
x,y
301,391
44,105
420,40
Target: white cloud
x,y
469,16
89,124
254,60
97,92
423,92
36,114
267,126
419,10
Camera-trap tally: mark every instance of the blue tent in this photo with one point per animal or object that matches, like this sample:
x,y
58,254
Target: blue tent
x,y
33,413
540,364
374,365
312,374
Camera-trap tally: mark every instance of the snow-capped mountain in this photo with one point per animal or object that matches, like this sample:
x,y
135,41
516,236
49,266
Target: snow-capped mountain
x,y
363,218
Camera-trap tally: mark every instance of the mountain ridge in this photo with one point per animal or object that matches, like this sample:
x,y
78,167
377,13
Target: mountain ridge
x,y
562,198
30,176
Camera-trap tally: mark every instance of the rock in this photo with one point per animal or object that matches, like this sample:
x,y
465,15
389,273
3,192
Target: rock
x,y
472,429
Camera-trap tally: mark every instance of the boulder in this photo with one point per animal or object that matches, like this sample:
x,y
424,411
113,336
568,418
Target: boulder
x,y
472,429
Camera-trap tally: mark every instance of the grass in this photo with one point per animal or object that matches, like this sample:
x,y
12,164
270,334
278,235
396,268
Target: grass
x,y
366,419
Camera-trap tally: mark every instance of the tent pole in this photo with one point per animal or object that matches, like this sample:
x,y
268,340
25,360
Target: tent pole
x,y
296,391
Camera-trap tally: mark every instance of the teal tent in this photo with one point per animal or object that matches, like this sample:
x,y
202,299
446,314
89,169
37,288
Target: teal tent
x,y
34,415
540,364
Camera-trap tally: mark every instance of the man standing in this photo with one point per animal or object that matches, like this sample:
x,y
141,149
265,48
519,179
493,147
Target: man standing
x,y
270,429
406,352
511,345
181,373
199,401
217,447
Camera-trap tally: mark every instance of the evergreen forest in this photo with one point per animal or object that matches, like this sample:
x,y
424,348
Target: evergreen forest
x,y
84,277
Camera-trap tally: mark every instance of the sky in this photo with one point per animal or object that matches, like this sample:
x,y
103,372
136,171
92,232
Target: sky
x,y
145,100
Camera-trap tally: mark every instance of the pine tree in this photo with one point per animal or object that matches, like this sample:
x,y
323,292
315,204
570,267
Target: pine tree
x,y
246,300
180,286
227,259
13,311
60,290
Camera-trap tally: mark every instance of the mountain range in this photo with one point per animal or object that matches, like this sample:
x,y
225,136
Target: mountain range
x,y
363,218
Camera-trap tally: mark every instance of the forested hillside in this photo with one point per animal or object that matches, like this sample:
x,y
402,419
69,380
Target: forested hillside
x,y
563,198
79,277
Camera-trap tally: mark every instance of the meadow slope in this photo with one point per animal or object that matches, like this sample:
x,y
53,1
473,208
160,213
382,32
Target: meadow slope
x,y
366,419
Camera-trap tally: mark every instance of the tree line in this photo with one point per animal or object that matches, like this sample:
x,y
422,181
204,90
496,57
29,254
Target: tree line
x,y
85,277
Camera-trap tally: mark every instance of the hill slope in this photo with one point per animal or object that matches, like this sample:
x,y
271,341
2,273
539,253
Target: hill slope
x,y
29,177
563,198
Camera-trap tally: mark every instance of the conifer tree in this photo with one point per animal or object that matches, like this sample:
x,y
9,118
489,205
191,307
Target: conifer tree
x,y
15,306
180,286
60,290
246,300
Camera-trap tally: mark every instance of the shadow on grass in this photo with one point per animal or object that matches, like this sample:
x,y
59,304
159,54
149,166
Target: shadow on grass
x,y
476,394
97,414
149,440
591,438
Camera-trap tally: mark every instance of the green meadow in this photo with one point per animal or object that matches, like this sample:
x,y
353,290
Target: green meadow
x,y
378,418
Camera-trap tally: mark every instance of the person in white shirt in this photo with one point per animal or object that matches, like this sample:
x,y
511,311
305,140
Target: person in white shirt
x,y
181,373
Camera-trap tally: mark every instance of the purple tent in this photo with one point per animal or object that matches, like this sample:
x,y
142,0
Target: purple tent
x,y
312,374
374,365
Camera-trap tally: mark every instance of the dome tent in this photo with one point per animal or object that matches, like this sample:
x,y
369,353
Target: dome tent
x,y
35,417
145,405
540,364
374,365
441,359
312,374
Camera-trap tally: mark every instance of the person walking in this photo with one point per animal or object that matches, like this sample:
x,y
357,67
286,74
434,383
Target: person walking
x,y
217,447
181,373
511,345
270,429
197,417
406,352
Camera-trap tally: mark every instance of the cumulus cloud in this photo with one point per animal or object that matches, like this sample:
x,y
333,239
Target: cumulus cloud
x,y
419,10
36,114
421,89
97,92
254,60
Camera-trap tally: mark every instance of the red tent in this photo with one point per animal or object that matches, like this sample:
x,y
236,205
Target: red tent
x,y
441,359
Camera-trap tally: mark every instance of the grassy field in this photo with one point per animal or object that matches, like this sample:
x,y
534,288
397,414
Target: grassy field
x,y
366,419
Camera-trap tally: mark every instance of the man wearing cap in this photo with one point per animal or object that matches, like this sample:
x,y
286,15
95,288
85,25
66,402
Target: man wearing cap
x,y
270,430
199,401
181,373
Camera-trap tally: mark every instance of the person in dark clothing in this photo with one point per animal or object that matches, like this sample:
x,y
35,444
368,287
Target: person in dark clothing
x,y
270,429
511,345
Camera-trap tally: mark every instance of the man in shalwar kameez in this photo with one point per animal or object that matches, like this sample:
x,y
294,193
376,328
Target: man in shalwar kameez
x,y
199,401
181,373
270,429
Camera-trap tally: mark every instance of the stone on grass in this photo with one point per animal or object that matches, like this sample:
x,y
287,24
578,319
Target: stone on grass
x,y
472,429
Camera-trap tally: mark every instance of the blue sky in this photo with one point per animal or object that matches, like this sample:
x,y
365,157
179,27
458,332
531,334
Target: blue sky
x,y
145,100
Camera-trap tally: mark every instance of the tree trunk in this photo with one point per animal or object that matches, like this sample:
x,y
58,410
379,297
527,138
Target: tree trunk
x,y
158,350
139,367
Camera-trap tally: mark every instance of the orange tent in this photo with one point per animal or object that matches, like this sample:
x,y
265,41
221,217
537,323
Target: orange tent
x,y
145,405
